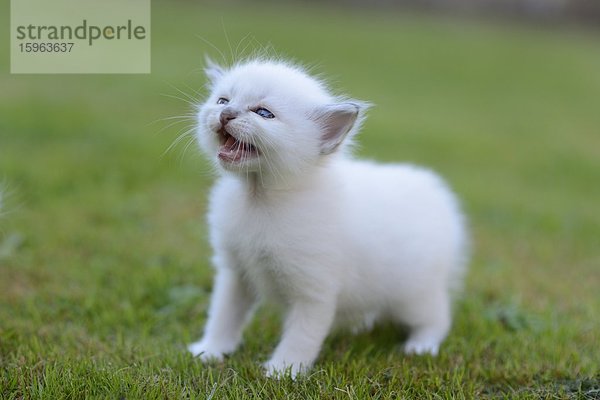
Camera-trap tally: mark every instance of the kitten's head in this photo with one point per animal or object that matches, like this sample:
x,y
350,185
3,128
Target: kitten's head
x,y
272,118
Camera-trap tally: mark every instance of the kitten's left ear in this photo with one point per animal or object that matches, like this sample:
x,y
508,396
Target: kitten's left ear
x,y
336,120
213,71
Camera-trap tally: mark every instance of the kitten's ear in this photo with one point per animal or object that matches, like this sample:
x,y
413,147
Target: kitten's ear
x,y
213,71
336,121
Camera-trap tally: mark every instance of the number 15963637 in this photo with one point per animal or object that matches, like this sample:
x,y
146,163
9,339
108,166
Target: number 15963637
x,y
45,47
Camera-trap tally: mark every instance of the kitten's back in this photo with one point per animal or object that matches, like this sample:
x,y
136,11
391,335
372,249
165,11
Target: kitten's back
x,y
407,214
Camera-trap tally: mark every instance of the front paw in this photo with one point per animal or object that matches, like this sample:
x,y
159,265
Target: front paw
x,y
280,369
421,347
207,351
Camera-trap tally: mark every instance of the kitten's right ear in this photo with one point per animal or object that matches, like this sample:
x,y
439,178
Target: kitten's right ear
x,y
213,71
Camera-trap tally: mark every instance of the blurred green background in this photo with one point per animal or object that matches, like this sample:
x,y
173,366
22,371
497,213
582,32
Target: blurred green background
x,y
104,272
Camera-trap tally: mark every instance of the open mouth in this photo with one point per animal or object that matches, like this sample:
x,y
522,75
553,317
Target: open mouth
x,y
234,150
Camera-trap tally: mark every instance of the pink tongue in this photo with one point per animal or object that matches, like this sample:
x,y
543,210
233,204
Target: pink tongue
x,y
229,143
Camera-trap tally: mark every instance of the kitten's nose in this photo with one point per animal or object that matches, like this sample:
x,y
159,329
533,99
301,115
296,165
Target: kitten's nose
x,y
227,115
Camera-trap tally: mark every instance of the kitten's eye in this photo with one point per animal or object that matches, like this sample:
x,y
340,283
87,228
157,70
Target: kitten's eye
x,y
263,112
222,100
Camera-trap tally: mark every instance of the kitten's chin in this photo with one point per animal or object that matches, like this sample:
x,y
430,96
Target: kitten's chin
x,y
242,166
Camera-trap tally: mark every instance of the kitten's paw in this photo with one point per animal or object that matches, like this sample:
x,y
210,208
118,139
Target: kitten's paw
x,y
206,352
278,370
366,325
421,346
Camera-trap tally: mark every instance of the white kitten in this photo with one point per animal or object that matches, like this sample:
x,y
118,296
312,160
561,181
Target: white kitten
x,y
296,221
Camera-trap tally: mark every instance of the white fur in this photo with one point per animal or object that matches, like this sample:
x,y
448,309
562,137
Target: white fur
x,y
334,240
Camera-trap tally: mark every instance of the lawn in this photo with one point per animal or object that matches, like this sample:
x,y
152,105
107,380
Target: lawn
x,y
104,261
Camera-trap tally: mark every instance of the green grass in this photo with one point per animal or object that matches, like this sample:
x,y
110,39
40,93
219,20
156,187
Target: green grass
x,y
104,273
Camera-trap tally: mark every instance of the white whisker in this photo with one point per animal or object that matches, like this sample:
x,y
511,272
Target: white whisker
x,y
172,124
194,104
180,137
208,42
228,41
191,140
193,99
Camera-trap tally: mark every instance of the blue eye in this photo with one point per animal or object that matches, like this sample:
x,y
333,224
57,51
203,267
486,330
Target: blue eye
x,y
222,100
263,112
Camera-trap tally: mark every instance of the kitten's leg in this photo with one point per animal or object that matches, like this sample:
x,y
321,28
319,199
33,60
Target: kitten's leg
x,y
231,303
306,327
367,323
429,322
